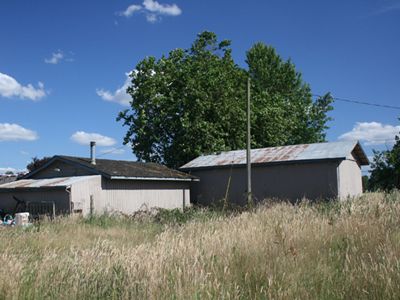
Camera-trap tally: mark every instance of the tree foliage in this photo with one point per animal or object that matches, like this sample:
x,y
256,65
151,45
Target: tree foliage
x,y
284,112
385,173
37,163
192,102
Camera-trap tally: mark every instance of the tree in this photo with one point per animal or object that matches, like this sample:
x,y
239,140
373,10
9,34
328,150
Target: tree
x,y
192,102
385,168
186,104
37,163
284,113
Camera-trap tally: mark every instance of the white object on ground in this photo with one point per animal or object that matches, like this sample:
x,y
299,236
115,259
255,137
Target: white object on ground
x,y
22,219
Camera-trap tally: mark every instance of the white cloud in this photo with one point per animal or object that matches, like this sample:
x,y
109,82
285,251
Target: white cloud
x,y
113,151
162,9
59,56
15,132
130,10
151,18
9,87
153,10
84,138
372,133
395,6
120,96
55,58
7,169
4,170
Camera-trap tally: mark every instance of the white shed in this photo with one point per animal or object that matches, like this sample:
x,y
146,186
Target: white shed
x,y
81,185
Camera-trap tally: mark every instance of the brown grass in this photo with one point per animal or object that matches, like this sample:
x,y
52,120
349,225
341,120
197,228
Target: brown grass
x,y
347,250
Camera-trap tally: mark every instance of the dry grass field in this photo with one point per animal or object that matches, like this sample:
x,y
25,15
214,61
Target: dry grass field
x,y
348,250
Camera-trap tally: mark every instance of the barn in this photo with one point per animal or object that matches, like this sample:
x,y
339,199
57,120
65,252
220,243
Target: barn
x,y
313,171
85,185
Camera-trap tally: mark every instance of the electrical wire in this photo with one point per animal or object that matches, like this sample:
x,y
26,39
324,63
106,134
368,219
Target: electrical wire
x,y
362,102
111,151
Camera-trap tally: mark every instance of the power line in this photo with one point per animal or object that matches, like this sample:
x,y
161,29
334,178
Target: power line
x,y
362,102
111,151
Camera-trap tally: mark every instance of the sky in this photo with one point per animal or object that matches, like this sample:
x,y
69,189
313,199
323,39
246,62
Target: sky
x,y
64,64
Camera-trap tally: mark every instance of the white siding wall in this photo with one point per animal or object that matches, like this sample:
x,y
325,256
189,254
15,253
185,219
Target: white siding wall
x,y
349,179
129,196
126,196
82,190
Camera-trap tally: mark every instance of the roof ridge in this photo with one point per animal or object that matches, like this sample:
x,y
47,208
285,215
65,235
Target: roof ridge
x,y
282,146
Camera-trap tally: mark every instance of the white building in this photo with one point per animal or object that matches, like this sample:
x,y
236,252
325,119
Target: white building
x,y
82,185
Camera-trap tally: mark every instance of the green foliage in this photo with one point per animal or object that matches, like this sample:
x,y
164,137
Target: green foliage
x,y
365,183
283,110
192,102
37,163
186,104
385,174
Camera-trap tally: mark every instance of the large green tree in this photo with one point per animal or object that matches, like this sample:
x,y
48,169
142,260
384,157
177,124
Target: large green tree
x,y
283,108
385,169
192,102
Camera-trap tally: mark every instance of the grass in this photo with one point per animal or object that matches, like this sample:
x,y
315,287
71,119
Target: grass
x,y
348,250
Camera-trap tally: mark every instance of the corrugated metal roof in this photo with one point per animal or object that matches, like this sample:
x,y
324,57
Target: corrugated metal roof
x,y
282,154
38,183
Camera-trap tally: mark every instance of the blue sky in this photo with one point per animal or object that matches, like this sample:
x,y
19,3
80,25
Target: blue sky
x,y
63,64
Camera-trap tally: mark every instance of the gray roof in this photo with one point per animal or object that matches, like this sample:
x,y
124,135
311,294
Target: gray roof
x,y
121,169
294,153
46,183
7,178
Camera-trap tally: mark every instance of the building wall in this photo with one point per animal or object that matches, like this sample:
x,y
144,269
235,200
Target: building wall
x,y
59,197
349,179
126,196
129,196
81,192
61,169
285,181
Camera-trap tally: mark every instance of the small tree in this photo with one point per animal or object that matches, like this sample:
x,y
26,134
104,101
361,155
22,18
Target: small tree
x,y
385,173
36,163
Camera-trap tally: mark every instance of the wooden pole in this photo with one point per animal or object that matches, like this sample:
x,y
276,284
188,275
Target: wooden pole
x,y
91,207
248,152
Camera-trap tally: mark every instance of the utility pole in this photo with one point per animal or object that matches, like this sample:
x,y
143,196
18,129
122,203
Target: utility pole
x,y
248,152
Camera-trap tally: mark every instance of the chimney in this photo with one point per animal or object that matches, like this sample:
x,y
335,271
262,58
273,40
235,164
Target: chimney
x,y
93,153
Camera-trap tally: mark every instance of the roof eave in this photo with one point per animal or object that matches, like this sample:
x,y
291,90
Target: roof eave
x,y
33,189
260,164
361,156
153,178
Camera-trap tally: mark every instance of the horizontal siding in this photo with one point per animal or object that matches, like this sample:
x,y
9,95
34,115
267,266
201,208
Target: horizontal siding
x,y
82,190
126,196
287,182
129,196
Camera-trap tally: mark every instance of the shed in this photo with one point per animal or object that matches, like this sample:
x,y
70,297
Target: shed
x,y
82,185
312,171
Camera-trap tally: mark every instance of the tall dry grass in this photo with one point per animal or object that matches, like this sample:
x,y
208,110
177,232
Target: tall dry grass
x,y
347,250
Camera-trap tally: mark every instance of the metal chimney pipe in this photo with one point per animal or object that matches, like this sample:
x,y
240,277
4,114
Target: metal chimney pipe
x,y
93,153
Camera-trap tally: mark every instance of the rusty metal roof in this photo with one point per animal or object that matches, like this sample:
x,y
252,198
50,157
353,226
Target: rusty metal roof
x,y
40,183
303,152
